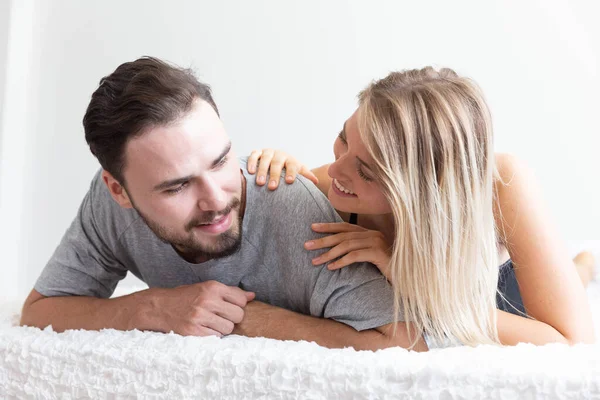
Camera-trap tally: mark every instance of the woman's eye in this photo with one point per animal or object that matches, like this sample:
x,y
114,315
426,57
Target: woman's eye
x,y
363,175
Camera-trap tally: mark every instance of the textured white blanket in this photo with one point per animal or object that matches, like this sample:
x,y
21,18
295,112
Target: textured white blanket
x,y
126,365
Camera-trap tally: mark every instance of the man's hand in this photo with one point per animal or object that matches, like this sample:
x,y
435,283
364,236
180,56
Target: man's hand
x,y
201,309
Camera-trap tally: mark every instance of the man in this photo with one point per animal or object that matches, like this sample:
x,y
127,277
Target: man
x,y
173,206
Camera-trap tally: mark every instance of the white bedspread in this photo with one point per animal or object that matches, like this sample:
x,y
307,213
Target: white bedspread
x,y
125,365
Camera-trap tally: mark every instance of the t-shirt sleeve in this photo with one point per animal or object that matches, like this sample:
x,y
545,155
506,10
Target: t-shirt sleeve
x,y
83,264
357,295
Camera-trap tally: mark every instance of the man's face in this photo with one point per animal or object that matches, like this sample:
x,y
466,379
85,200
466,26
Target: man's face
x,y
184,180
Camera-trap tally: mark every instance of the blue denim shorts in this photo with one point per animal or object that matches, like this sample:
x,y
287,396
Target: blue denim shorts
x,y
509,288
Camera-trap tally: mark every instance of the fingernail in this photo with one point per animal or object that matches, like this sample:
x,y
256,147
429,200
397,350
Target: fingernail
x,y
272,183
316,260
316,225
309,244
261,179
289,177
331,266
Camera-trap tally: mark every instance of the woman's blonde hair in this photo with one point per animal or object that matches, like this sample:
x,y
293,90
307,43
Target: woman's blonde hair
x,y
430,134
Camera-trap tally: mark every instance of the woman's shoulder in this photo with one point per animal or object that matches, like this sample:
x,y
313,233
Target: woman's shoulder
x,y
507,165
514,184
511,173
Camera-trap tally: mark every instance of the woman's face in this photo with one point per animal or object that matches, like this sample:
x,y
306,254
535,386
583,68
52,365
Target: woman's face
x,y
354,188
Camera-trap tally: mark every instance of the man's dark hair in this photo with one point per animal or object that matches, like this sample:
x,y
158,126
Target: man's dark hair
x,y
141,94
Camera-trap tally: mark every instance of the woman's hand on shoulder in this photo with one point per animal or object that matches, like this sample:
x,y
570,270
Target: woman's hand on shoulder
x,y
272,162
348,244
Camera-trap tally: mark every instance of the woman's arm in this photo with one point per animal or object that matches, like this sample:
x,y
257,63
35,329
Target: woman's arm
x,y
551,290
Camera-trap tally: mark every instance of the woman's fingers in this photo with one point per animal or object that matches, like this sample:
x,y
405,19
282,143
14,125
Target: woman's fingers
x,y
291,170
293,167
342,249
336,227
277,163
273,162
307,173
362,255
334,240
263,166
252,162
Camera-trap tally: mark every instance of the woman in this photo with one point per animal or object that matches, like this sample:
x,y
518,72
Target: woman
x,y
432,206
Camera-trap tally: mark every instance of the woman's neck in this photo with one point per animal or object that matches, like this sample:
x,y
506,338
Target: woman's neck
x,y
383,223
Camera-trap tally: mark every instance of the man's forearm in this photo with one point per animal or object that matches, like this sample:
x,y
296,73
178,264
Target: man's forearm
x,y
263,320
79,312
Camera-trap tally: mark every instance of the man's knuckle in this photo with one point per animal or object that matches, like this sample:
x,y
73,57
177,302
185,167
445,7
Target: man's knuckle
x,y
228,327
238,317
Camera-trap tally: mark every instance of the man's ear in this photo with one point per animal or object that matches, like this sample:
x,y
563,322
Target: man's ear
x,y
117,191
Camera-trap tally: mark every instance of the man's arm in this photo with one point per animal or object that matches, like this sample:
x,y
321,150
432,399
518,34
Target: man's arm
x,y
83,312
263,320
207,308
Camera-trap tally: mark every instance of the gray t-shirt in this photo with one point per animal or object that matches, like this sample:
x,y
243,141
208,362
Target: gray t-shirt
x,y
105,241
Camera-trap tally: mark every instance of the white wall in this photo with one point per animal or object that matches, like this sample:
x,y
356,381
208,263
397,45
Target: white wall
x,y
16,83
286,75
4,19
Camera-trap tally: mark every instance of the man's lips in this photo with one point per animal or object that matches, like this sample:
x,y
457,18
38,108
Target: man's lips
x,y
218,225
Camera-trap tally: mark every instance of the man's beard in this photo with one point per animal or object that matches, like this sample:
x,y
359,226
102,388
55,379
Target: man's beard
x,y
223,245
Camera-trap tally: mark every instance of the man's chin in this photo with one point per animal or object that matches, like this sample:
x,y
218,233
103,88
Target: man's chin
x,y
216,246
220,252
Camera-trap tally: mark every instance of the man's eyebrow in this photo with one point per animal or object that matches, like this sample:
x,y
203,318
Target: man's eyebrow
x,y
222,155
172,182
178,181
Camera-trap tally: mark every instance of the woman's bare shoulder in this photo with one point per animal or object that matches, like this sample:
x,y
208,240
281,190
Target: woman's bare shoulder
x,y
507,165
513,184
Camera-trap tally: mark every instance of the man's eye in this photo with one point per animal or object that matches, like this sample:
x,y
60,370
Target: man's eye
x,y
222,162
177,189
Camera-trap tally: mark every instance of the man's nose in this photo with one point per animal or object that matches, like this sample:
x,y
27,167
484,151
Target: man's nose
x,y
212,197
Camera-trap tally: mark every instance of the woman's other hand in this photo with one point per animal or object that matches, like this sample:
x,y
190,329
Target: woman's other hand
x,y
349,244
